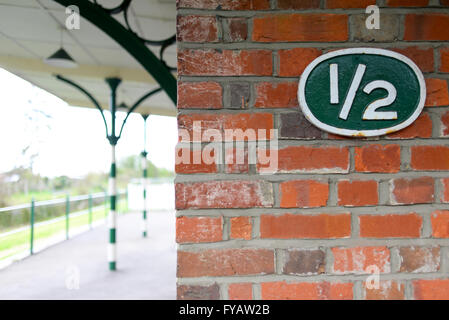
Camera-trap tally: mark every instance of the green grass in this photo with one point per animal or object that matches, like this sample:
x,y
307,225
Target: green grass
x,y
20,241
20,198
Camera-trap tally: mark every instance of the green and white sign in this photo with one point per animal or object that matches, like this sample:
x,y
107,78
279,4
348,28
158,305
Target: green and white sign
x,y
362,92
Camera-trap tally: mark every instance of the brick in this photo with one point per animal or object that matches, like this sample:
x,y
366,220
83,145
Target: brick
x,y
426,27
420,128
245,4
388,32
296,126
407,3
237,30
241,228
306,291
248,123
276,95
240,291
357,260
445,124
199,229
422,56
194,161
304,262
303,194
236,160
223,194
388,290
225,262
245,123
440,223
430,158
197,292
204,122
240,95
437,93
411,191
419,259
436,289
445,191
357,193
378,158
298,5
210,62
297,159
390,226
444,60
298,226
201,95
196,29
225,4
292,62
348,4
300,27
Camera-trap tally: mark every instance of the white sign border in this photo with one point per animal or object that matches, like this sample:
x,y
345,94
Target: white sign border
x,y
360,133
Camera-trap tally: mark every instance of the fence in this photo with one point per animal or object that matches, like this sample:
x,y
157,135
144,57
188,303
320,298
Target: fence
x,y
51,221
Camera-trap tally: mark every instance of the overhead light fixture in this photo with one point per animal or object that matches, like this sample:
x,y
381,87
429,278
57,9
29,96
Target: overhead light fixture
x,y
61,58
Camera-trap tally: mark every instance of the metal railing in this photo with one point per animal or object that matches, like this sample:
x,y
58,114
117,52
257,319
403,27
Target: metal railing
x,y
54,202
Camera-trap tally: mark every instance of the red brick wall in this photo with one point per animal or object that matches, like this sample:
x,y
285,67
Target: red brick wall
x,y
336,205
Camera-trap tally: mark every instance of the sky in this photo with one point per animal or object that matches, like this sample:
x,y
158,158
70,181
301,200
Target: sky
x,y
70,140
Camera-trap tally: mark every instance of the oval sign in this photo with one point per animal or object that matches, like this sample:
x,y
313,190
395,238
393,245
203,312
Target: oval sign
x,y
362,92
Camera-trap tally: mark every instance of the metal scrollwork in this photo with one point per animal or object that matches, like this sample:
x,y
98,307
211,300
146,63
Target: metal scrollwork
x,y
163,44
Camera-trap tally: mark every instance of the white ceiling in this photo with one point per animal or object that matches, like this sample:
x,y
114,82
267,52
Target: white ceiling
x,y
30,31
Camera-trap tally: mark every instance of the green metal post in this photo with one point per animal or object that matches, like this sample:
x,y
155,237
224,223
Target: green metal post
x,y
112,218
145,177
32,227
90,211
67,212
112,138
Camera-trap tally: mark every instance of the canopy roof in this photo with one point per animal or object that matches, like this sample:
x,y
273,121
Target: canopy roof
x,y
30,31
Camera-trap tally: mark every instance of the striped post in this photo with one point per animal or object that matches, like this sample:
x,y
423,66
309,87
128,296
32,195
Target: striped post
x,y
144,185
112,217
145,177
112,137
32,228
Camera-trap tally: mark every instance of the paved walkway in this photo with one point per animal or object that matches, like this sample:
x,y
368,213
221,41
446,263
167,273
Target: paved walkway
x,y
146,267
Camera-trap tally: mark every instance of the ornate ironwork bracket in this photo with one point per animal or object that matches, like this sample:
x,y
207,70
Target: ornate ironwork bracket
x,y
113,84
113,139
130,40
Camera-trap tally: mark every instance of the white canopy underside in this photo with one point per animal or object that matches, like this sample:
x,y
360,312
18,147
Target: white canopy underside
x,y
30,31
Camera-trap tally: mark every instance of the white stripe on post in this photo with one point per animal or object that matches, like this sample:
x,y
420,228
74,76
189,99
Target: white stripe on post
x,y
112,252
112,219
